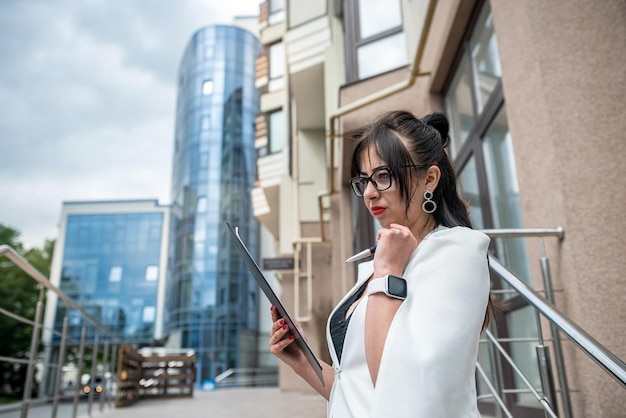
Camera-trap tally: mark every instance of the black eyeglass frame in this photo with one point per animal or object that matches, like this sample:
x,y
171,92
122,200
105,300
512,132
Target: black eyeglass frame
x,y
354,181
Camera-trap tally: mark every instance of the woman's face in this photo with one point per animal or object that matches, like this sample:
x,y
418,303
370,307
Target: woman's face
x,y
387,206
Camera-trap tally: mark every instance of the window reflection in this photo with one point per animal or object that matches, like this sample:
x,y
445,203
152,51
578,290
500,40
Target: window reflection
x,y
277,67
207,87
276,11
376,16
114,275
381,56
485,58
277,131
522,324
504,192
459,107
471,194
152,273
375,41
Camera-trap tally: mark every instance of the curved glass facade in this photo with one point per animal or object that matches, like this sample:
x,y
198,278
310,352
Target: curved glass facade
x,y
212,300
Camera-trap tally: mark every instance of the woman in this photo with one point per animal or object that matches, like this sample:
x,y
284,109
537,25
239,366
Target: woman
x,y
404,340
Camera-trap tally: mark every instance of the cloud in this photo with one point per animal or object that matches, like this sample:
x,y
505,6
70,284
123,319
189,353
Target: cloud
x,y
87,98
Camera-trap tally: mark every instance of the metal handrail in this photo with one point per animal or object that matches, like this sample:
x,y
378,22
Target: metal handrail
x,y
37,324
541,399
608,361
493,390
23,264
558,232
546,373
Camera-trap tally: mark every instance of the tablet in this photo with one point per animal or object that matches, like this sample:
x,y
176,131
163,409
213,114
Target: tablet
x,y
269,292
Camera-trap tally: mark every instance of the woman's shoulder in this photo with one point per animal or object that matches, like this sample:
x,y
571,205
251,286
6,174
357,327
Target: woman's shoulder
x,y
459,236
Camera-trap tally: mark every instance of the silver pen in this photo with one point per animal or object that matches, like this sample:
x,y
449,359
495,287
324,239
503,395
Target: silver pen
x,y
363,254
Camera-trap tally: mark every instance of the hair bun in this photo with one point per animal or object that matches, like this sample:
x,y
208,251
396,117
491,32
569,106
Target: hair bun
x,y
440,122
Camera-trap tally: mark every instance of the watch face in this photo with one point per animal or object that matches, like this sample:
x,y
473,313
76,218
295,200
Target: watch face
x,y
396,286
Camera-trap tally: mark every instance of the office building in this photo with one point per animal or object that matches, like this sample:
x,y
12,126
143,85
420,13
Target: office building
x,y
110,258
212,300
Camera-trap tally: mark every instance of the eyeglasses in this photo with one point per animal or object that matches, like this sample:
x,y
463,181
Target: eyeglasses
x,y
380,179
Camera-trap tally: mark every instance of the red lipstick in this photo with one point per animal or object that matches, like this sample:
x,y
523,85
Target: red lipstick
x,y
377,210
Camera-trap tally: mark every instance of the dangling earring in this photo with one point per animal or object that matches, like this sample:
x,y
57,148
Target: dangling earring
x,y
429,205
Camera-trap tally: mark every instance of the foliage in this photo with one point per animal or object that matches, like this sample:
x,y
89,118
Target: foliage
x,y
19,294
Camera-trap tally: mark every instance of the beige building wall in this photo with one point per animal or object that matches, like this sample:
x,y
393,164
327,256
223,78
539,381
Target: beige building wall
x,y
564,82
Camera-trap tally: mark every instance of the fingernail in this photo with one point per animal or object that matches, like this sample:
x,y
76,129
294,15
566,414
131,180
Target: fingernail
x,y
291,337
272,308
280,322
285,327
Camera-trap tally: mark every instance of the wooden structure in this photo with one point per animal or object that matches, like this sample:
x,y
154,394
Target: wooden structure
x,y
153,376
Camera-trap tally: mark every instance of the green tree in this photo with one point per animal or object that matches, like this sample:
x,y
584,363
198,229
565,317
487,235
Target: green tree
x,y
18,294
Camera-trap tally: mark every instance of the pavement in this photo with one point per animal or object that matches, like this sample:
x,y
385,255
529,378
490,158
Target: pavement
x,y
222,403
229,403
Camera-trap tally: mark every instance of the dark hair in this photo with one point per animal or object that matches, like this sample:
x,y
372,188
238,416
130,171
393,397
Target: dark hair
x,y
400,139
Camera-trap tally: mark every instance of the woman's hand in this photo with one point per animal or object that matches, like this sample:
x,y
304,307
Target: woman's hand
x,y
281,346
393,250
281,342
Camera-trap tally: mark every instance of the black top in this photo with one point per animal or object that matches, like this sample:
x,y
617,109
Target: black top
x,y
339,322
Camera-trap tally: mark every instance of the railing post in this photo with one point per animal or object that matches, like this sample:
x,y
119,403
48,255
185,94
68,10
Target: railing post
x,y
81,354
94,364
34,344
546,375
496,371
114,350
556,338
105,391
60,361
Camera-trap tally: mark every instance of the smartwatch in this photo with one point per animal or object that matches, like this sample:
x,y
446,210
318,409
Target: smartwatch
x,y
390,285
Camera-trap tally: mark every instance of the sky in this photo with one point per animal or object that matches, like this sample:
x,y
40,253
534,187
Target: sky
x,y
87,101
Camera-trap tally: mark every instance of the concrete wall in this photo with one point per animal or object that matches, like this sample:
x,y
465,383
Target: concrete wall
x,y
565,91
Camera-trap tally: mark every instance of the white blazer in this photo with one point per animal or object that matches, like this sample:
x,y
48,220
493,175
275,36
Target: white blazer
x,y
427,369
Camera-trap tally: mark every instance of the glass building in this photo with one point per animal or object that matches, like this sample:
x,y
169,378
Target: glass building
x,y
112,264
212,299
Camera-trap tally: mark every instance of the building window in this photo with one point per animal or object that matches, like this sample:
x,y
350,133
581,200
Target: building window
x,y
375,41
201,204
277,67
481,144
115,273
276,131
206,122
383,55
208,51
152,273
277,11
207,87
148,314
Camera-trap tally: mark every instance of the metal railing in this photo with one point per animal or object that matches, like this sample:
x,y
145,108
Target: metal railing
x,y
559,323
247,377
53,373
